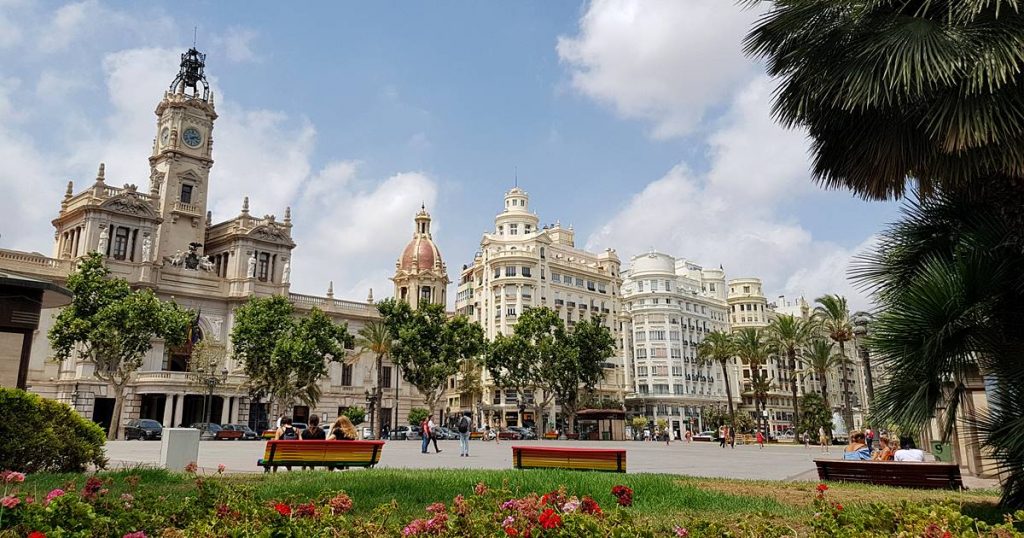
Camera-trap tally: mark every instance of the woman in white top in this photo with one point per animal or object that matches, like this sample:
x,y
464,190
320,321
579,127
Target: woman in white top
x,y
908,452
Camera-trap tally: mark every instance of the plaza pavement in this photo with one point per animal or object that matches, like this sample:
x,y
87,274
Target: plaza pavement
x,y
782,462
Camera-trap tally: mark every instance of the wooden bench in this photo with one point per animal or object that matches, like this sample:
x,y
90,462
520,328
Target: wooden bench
x,y
893,473
330,454
587,459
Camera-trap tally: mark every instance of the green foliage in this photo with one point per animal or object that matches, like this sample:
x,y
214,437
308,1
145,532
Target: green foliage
x,y
753,349
720,347
113,326
821,358
833,317
590,401
418,415
639,423
814,414
356,414
285,357
43,435
787,335
427,345
375,339
949,281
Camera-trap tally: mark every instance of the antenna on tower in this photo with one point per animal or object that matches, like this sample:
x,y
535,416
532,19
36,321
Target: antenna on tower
x,y
195,30
516,172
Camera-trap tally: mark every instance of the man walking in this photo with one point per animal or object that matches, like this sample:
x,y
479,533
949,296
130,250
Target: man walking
x,y
464,425
430,427
425,433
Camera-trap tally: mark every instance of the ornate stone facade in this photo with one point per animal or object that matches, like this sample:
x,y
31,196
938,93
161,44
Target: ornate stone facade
x,y
165,239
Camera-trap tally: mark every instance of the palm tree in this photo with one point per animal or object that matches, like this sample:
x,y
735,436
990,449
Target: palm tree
x,y
788,334
752,348
720,347
821,358
949,281
760,386
834,318
375,339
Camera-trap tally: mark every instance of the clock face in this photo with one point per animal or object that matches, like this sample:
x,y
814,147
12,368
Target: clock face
x,y
165,136
191,137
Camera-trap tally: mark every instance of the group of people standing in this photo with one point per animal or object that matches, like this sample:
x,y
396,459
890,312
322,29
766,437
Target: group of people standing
x,y
429,433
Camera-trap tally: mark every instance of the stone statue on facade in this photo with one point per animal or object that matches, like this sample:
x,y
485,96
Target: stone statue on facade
x,y
286,272
147,246
251,273
104,237
177,259
192,258
205,263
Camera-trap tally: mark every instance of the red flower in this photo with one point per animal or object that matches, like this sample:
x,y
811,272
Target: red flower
x,y
839,507
283,509
36,534
550,520
822,488
93,487
511,531
306,510
624,495
590,506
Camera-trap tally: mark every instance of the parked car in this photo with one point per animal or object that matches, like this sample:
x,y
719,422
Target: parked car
x,y
709,435
247,433
404,433
524,433
215,432
446,433
143,429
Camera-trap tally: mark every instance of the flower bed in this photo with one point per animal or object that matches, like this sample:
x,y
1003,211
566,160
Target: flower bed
x,y
104,506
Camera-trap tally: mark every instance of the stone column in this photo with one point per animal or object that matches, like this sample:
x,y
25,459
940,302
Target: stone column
x,y
179,409
168,411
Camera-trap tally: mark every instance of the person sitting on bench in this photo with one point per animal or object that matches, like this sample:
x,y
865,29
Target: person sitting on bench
x,y
908,451
857,450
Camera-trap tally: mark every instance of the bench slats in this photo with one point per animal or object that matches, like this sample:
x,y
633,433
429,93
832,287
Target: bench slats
x,y
901,474
321,453
593,459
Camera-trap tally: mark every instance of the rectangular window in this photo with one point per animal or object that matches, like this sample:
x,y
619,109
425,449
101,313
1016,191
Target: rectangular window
x,y
120,243
641,370
496,398
510,270
654,285
657,336
385,381
526,271
641,336
186,193
556,277
263,269
526,228
579,282
661,389
659,353
639,285
677,389
513,229
644,389
677,371
601,288
661,370
497,272
641,353
346,375
668,285
676,353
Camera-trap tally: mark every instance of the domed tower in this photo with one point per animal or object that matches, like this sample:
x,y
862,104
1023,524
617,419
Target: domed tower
x,y
421,276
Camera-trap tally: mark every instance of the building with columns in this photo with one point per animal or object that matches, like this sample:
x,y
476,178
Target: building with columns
x,y
669,306
522,264
164,238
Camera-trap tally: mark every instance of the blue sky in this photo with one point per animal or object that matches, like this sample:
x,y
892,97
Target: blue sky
x,y
641,123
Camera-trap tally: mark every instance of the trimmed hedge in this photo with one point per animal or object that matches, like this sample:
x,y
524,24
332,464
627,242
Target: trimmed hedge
x,y
42,435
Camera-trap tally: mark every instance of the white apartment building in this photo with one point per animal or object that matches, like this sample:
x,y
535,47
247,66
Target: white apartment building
x,y
669,306
523,264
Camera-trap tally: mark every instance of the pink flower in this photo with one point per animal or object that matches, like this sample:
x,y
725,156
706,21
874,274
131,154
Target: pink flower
x,y
136,534
10,502
509,521
461,506
480,488
340,503
12,477
680,531
437,508
191,468
509,504
53,494
415,528
221,468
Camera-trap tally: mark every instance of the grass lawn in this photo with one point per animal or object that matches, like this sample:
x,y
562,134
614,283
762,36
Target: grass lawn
x,y
657,495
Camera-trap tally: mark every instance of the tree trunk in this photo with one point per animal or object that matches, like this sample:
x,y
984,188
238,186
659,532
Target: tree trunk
x,y
792,368
847,410
378,419
115,418
728,395
824,393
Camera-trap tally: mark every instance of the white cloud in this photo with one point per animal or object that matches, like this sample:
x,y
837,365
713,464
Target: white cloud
x,y
236,44
10,34
729,215
665,61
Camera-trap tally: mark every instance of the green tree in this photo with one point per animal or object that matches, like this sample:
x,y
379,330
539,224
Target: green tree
x,y
519,361
834,318
760,386
814,414
356,414
579,367
418,415
821,358
286,357
753,349
113,327
638,423
925,94
720,347
428,345
949,282
789,335
375,339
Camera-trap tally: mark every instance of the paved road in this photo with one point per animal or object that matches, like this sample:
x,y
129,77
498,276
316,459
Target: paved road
x,y
783,462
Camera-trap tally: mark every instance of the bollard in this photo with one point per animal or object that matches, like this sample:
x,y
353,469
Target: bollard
x,y
178,448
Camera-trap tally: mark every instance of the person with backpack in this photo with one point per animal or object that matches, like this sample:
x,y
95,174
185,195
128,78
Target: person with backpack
x,y
465,423
286,432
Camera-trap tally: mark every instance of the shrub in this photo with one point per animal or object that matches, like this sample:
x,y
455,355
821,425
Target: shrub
x,y
42,435
417,414
356,414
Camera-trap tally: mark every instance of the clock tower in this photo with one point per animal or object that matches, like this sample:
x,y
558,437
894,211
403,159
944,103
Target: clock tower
x,y
182,157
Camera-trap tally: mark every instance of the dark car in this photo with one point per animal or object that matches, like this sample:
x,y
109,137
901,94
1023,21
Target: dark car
x,y
215,431
247,433
524,433
446,433
143,429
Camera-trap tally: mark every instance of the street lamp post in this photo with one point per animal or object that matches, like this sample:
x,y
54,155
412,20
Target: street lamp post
x,y
860,330
371,402
208,376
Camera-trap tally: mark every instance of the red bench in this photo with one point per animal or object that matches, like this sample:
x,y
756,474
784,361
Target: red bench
x,y
611,460
892,473
330,454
